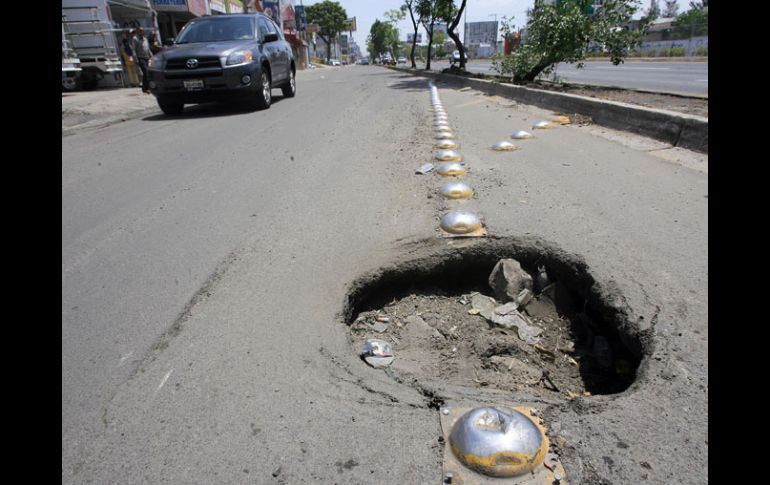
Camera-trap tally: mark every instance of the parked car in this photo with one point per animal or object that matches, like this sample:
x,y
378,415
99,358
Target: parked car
x,y
334,62
455,57
223,58
363,62
402,60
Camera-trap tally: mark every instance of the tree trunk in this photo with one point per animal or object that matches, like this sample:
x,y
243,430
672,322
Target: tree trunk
x,y
414,39
430,44
328,47
535,71
456,38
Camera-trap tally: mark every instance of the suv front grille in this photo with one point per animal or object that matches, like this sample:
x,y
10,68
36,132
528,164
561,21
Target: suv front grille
x,y
203,62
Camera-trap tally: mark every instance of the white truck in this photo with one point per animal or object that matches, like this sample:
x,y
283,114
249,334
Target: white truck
x,y
93,29
70,64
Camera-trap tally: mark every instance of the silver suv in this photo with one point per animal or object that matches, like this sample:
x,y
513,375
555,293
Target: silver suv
x,y
221,58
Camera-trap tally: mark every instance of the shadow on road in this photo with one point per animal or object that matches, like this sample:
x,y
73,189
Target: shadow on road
x,y
212,110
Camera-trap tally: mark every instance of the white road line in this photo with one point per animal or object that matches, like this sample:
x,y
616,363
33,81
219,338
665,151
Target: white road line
x,y
123,359
165,378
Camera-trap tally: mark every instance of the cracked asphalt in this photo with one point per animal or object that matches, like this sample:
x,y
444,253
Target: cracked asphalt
x,y
206,262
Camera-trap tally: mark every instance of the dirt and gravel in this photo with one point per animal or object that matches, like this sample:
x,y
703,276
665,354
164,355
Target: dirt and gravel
x,y
683,104
440,336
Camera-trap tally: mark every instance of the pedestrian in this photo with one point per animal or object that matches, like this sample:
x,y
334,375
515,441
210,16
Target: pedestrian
x,y
142,52
128,58
155,46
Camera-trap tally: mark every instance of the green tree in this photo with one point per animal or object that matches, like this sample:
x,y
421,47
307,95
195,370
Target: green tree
x,y
452,17
382,38
411,7
394,16
693,23
331,18
564,31
431,11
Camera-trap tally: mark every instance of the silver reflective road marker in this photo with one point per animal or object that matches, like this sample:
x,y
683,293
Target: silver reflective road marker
x,y
502,146
451,169
498,442
456,190
460,222
521,135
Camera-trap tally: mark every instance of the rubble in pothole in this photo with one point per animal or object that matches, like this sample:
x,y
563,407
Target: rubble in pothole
x,y
523,344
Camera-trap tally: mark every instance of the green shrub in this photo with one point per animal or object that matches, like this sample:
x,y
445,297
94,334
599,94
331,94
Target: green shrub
x,y
678,51
702,51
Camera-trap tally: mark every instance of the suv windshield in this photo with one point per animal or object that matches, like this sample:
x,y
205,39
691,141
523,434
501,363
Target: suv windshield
x,y
217,30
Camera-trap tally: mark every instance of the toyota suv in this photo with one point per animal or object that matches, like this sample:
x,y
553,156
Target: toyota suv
x,y
222,58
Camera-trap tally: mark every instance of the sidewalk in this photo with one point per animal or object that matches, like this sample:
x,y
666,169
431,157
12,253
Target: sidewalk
x,y
102,107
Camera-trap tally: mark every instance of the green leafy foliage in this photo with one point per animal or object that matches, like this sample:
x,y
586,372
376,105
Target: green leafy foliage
x,y
567,30
331,18
693,23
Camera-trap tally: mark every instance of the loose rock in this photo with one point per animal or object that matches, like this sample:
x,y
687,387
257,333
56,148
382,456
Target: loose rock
x,y
508,279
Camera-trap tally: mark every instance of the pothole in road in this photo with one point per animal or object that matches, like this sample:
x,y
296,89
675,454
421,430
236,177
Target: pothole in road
x,y
424,308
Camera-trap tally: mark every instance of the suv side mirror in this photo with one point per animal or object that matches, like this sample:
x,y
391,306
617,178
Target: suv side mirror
x,y
270,37
168,42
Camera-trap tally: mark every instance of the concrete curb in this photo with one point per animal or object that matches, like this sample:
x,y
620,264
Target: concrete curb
x,y
677,129
103,122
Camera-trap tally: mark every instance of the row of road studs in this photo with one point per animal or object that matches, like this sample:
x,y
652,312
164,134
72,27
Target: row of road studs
x,y
503,444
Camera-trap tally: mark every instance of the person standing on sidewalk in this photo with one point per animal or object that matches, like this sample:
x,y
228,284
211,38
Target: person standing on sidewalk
x,y
128,58
142,52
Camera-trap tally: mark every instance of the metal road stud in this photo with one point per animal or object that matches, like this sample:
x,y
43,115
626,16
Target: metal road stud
x,y
521,135
445,134
456,190
445,144
452,169
460,223
502,146
498,442
447,156
542,125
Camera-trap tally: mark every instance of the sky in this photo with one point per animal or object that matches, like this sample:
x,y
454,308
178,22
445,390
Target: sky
x,y
367,11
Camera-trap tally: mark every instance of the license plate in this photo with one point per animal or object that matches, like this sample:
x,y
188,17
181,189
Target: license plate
x,y
193,84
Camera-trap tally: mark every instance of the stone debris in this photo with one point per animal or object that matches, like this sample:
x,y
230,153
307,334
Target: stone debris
x,y
508,279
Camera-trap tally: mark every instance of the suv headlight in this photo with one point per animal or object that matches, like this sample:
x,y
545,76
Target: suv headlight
x,y
155,61
239,57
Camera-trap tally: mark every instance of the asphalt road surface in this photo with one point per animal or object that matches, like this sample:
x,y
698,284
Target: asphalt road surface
x,y
206,260
688,78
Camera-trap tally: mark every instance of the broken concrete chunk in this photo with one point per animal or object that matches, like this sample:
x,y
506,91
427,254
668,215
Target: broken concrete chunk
x,y
541,307
508,279
506,309
484,304
541,279
524,297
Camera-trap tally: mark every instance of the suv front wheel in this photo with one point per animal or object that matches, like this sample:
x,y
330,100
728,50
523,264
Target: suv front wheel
x,y
170,108
264,94
290,88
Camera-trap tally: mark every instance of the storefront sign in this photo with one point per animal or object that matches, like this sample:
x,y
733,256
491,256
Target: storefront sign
x,y
170,5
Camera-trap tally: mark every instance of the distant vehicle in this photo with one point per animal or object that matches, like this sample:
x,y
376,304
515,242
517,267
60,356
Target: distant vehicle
x,y
402,60
387,60
88,31
70,64
363,62
455,58
222,58
334,62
